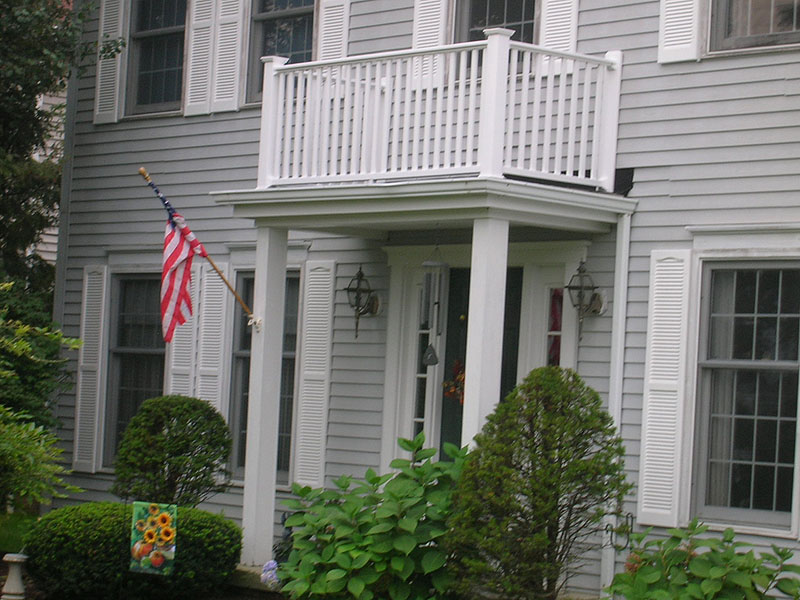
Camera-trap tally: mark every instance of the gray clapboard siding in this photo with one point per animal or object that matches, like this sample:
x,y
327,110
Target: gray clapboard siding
x,y
380,25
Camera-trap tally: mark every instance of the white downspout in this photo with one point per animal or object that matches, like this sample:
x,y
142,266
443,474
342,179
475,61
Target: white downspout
x,y
618,330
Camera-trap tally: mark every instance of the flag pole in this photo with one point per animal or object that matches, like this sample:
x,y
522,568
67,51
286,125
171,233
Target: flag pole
x,y
251,318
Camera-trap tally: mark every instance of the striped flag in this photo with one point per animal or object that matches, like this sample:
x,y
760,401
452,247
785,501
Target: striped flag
x,y
180,246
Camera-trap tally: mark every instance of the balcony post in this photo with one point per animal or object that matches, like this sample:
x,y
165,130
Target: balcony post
x,y
609,122
494,82
268,143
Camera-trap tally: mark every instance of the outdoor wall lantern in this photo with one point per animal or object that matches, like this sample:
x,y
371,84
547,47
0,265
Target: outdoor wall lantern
x,y
361,298
584,296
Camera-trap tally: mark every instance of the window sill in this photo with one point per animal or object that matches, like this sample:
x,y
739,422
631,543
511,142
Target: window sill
x,y
751,50
755,530
152,115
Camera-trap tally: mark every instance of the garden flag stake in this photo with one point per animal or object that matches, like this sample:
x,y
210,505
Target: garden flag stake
x,y
180,246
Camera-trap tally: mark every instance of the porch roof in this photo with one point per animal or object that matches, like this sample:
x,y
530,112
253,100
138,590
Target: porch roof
x,y
451,203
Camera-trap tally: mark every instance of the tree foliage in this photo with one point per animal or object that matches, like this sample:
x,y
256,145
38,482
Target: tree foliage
x,y
40,43
30,367
174,451
29,462
530,502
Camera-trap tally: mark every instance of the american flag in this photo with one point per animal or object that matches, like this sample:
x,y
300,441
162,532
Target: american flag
x,y
180,246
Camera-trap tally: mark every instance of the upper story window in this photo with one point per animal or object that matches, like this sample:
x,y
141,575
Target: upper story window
x,y
753,23
279,28
748,392
474,16
156,55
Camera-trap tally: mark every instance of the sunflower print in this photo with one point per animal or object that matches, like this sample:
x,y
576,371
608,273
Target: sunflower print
x,y
167,534
164,520
154,509
152,522
141,525
150,536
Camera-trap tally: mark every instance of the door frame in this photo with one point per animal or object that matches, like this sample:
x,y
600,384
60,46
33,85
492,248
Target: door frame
x,y
405,266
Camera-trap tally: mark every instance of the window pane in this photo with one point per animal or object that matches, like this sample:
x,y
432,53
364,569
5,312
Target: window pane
x,y
511,14
752,410
157,47
136,356
751,23
240,379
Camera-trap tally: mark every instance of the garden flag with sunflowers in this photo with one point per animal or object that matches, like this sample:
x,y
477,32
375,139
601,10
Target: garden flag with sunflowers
x,y
153,534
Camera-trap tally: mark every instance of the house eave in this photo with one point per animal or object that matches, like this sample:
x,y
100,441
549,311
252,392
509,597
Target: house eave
x,y
418,204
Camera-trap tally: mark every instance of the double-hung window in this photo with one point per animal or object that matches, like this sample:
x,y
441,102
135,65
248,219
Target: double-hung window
x,y
136,353
753,23
473,16
747,396
279,28
156,55
241,376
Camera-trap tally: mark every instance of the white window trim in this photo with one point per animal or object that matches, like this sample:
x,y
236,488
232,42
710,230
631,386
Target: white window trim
x,y
725,243
684,34
404,261
243,259
120,264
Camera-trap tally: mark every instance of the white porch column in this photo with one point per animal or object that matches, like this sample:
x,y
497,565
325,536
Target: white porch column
x,y
263,405
487,292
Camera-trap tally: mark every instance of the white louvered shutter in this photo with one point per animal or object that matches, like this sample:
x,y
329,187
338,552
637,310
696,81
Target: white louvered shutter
x,y
181,351
227,56
429,31
315,366
199,57
429,23
334,27
91,361
559,25
211,333
661,477
678,35
107,84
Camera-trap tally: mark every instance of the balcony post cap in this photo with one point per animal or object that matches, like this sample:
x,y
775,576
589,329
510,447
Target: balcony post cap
x,y
278,60
498,31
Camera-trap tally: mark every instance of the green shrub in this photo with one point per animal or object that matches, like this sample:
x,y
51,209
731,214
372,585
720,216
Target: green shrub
x,y
83,551
530,502
174,451
684,565
379,539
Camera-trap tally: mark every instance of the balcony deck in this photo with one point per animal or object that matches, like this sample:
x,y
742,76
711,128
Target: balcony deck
x,y
495,108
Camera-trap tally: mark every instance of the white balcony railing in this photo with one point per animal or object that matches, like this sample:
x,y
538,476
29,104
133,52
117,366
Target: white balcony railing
x,y
490,108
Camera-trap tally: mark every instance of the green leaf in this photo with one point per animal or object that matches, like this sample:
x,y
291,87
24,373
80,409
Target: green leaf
x,y
335,574
343,560
406,444
399,590
432,560
700,567
355,586
739,579
790,587
649,574
360,560
409,525
380,528
405,543
710,586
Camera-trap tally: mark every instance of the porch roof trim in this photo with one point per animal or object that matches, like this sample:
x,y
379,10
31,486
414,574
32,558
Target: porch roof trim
x,y
446,203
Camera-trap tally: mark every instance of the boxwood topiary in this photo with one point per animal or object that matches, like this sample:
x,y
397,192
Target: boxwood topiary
x,y
83,551
174,451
